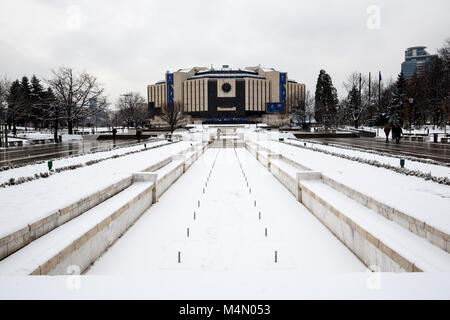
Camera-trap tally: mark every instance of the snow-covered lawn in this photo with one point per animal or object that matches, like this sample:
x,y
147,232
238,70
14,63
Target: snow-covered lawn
x,y
227,255
46,136
427,201
31,201
31,170
435,170
219,285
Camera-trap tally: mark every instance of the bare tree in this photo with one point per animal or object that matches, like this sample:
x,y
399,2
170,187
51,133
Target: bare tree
x,y
303,110
355,85
5,84
132,109
74,93
172,113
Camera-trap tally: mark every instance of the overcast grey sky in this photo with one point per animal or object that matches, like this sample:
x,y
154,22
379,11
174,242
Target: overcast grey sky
x,y
129,44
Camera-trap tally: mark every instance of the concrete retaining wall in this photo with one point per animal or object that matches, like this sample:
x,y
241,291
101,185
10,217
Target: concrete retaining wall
x,y
13,242
87,248
366,247
420,228
91,244
285,178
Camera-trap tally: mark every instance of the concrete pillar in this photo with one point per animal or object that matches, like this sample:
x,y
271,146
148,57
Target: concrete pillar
x,y
148,177
272,156
306,175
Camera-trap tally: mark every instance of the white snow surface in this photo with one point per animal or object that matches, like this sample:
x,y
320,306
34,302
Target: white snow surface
x,y
435,170
218,285
227,235
227,255
426,201
30,170
29,202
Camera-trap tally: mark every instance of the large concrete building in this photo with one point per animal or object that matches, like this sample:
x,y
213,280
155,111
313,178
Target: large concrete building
x,y
227,93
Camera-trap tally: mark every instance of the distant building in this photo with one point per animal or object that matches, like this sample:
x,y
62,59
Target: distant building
x,y
226,93
416,61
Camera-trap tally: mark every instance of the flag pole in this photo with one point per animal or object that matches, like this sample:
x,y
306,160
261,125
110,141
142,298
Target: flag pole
x,y
379,96
370,86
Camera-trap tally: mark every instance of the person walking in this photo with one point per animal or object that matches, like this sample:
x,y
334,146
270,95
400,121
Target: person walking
x,y
114,132
139,133
387,130
396,132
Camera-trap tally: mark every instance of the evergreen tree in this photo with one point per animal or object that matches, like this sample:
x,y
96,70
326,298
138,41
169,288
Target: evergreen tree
x,y
26,100
37,99
14,104
53,111
353,106
326,101
398,101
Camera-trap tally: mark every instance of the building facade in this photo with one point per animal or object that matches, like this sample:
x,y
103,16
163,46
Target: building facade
x,y
416,60
227,93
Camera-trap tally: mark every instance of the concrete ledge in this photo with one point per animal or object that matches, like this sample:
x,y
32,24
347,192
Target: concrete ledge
x,y
306,175
158,165
13,242
368,246
82,240
284,177
364,233
144,177
420,228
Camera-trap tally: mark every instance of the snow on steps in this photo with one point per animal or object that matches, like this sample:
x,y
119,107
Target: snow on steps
x,y
380,243
376,240
425,229
84,238
15,239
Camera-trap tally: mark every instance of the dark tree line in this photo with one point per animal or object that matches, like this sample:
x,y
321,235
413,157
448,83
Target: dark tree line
x,y
27,103
67,99
417,101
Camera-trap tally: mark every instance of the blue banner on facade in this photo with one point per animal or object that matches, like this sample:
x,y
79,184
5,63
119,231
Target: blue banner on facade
x,y
275,107
283,87
169,84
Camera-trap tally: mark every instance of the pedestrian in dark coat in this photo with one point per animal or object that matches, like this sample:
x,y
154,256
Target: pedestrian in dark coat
x,y
139,134
387,130
114,132
396,132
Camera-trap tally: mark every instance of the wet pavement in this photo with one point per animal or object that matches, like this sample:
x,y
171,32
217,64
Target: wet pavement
x,y
426,150
31,153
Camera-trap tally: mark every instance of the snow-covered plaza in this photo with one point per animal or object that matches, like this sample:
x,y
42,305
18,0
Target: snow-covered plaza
x,y
241,214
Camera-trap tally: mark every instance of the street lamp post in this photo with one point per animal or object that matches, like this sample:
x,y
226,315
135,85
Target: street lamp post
x,y
411,112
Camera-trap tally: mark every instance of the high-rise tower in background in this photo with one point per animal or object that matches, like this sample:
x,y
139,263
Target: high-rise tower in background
x,y
416,60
